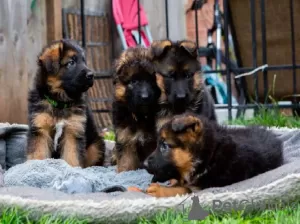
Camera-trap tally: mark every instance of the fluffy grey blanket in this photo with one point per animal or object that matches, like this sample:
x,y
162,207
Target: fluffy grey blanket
x,y
58,175
53,186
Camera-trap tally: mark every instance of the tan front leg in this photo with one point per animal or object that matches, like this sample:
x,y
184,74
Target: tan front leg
x,y
73,143
70,150
125,151
39,141
128,159
38,147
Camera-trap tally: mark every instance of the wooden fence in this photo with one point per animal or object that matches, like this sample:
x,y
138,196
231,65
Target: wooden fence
x,y
22,34
25,28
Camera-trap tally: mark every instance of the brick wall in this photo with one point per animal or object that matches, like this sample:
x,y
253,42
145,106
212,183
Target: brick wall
x,y
205,22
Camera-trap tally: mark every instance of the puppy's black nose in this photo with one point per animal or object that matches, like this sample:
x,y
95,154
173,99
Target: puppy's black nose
x,y
180,96
144,96
147,162
89,75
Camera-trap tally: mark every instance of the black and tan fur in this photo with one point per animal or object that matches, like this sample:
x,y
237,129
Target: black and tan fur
x,y
180,80
134,107
63,77
200,153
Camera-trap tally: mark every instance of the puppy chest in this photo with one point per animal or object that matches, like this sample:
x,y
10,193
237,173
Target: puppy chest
x,y
68,128
137,137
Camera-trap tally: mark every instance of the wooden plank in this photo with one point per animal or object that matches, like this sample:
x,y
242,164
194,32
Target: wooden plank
x,y
36,36
155,10
4,41
70,26
177,23
13,77
54,20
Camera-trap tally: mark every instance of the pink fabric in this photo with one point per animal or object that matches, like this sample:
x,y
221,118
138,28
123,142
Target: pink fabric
x,y
126,14
130,40
117,12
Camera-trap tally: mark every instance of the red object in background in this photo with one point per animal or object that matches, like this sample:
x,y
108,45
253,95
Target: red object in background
x,y
125,13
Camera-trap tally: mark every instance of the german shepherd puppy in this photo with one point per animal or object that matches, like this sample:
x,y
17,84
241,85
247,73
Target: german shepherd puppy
x,y
135,104
60,122
180,80
199,154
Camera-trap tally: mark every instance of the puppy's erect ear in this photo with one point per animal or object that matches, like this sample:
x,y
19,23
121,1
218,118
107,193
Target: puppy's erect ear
x,y
183,123
160,47
121,61
51,56
189,47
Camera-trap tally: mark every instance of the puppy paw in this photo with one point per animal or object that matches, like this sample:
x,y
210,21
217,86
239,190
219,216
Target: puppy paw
x,y
155,190
173,182
154,185
132,188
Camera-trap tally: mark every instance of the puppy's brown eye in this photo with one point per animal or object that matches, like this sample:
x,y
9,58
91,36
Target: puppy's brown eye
x,y
164,147
133,82
70,63
170,75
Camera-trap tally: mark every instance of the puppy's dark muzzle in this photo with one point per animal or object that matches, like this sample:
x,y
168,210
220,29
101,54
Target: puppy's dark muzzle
x,y
145,97
89,75
87,78
148,165
179,102
181,97
179,91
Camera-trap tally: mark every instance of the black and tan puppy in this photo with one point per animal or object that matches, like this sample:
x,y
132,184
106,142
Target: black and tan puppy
x,y
180,80
134,108
60,122
199,154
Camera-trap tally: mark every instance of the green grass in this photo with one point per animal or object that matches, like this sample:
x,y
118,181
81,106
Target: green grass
x,y
17,216
286,215
269,118
109,135
289,215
